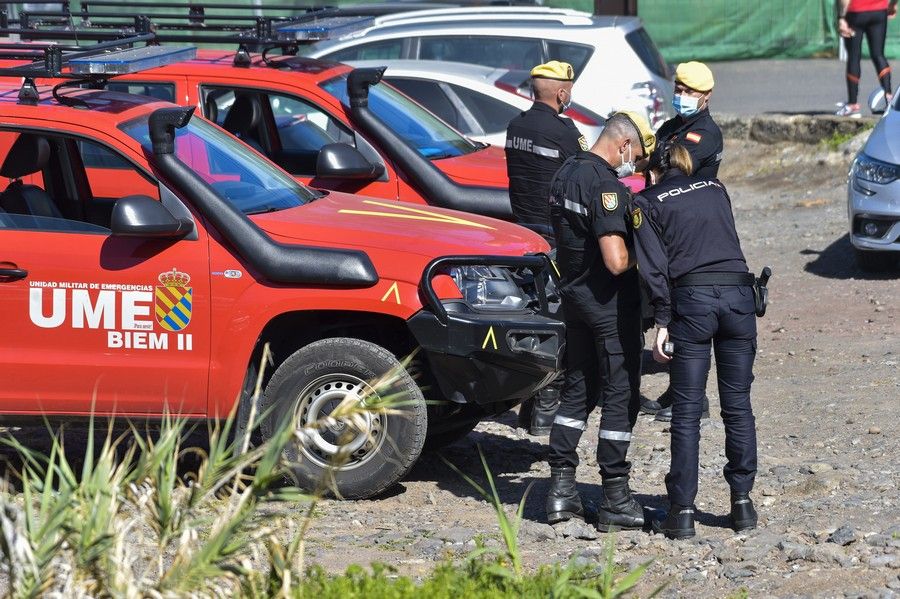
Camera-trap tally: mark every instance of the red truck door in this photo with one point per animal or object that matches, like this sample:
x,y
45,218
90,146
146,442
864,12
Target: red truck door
x,y
92,321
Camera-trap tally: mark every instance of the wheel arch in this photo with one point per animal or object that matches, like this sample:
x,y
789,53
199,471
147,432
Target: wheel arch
x,y
291,331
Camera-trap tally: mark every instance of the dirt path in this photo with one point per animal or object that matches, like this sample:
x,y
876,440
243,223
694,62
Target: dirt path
x,y
826,397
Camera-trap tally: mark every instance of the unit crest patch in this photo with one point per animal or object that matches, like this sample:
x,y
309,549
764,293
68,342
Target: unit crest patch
x,y
173,300
637,218
610,201
583,143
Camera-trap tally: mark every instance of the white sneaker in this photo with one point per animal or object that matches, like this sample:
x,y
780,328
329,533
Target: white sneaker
x,y
849,110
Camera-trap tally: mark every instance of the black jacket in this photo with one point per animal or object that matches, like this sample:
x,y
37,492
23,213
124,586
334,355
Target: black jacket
x,y
700,135
683,225
538,141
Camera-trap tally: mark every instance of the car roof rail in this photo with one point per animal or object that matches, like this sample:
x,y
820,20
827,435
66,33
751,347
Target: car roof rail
x,y
112,55
194,23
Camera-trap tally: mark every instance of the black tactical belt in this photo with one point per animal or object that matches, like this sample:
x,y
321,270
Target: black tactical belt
x,y
738,279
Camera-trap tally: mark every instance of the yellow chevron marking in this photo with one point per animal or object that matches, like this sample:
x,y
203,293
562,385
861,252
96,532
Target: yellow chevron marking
x,y
413,214
490,337
392,289
555,267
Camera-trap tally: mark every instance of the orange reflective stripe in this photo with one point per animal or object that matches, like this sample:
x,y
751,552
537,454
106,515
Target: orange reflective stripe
x,y
884,71
853,78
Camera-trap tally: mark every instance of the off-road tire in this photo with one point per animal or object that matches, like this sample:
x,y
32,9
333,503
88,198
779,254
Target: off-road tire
x,y
875,261
402,431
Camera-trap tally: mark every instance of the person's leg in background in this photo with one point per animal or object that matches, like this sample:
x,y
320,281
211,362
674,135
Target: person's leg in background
x,y
853,46
876,32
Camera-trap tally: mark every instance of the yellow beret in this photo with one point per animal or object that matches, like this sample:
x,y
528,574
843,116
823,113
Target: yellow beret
x,y
695,75
648,140
561,71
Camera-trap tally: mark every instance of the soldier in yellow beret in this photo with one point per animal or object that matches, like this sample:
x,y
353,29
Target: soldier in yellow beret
x,y
694,129
537,142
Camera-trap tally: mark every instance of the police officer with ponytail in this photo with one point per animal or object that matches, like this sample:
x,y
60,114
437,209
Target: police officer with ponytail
x,y
703,298
695,130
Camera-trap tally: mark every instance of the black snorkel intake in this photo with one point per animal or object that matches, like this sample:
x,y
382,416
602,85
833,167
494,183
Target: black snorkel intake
x,y
425,176
275,261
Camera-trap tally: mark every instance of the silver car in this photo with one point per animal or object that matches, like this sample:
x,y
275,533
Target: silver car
x,y
873,195
617,66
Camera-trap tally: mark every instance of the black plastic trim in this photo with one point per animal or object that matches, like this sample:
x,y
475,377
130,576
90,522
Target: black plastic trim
x,y
473,360
437,188
277,262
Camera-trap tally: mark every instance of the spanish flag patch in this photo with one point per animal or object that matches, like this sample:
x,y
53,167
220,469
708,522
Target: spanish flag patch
x,y
694,137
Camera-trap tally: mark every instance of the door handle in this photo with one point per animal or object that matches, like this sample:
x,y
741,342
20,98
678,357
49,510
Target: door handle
x,y
12,274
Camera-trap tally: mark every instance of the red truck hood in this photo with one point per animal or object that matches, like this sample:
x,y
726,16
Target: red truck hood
x,y
485,167
343,220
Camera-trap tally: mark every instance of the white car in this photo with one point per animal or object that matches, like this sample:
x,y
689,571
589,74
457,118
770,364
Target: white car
x,y
617,66
477,101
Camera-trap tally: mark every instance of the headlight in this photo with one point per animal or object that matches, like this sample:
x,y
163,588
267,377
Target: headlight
x,y
874,171
488,287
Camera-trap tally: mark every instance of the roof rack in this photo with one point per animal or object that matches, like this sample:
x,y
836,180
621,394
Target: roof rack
x,y
195,25
115,55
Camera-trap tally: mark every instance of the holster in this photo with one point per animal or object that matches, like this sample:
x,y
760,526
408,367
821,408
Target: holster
x,y
761,292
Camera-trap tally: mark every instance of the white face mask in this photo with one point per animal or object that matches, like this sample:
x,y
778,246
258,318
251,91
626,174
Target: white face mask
x,y
626,169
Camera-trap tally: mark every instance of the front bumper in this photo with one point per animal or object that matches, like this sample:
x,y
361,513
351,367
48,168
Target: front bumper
x,y
488,358
876,204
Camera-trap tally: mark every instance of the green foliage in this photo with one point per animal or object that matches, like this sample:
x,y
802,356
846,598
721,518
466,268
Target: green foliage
x,y
71,530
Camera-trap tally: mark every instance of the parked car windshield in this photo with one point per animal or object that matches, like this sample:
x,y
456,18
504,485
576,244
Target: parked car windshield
x,y
248,181
432,137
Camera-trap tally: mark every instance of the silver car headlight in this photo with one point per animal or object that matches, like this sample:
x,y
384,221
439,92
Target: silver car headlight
x,y
869,169
488,287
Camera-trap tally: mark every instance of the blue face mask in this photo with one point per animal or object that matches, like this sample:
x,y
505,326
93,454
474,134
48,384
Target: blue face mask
x,y
685,105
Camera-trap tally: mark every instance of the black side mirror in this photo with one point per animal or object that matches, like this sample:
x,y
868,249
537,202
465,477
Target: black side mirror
x,y
142,216
343,161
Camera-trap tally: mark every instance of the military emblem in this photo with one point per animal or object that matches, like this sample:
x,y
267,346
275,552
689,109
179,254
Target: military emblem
x,y
583,143
610,201
173,300
637,218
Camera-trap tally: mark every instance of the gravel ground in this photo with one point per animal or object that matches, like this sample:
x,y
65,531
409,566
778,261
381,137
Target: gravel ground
x,y
826,399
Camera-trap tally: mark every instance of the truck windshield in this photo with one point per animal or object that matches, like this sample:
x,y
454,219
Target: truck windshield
x,y
248,181
432,137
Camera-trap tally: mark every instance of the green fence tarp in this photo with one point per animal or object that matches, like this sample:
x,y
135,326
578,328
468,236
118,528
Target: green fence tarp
x,y
739,29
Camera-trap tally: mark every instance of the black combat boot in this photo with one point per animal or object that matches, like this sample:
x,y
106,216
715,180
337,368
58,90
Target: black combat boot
x,y
649,406
679,523
546,403
563,501
743,514
665,415
619,510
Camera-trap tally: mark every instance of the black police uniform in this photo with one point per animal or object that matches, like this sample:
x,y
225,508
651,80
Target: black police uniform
x,y
689,255
537,143
700,135
602,315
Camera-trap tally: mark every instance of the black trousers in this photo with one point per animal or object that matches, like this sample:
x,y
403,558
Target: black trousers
x,y
603,367
872,23
722,317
